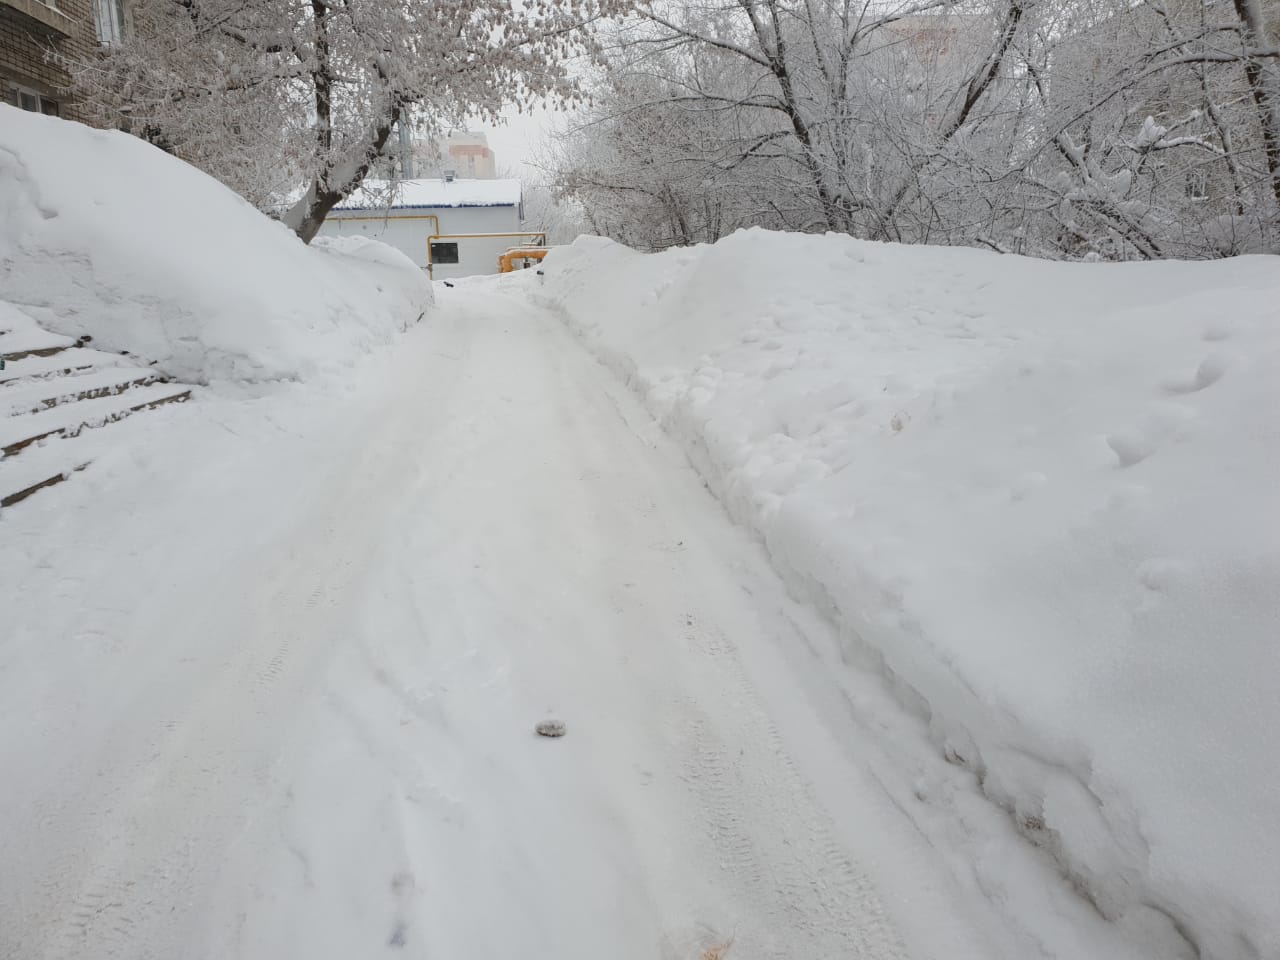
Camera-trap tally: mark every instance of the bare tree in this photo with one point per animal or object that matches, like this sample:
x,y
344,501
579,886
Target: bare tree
x,y
1061,128
1260,66
1146,143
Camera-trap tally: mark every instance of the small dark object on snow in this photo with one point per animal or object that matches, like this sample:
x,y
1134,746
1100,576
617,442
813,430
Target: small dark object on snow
x,y
447,284
550,728
397,936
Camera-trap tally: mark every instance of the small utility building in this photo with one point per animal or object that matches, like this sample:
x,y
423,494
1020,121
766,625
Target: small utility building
x,y
434,222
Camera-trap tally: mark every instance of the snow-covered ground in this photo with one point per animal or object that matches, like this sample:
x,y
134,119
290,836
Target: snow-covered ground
x,y
104,235
282,704
1039,499
270,665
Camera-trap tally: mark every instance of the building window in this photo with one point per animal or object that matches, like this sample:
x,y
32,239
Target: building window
x,y
444,253
109,17
35,102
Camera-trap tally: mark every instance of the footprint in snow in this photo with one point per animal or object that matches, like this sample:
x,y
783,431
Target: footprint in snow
x,y
1209,372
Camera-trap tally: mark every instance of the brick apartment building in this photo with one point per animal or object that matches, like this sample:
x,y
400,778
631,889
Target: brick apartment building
x,y
468,154
33,32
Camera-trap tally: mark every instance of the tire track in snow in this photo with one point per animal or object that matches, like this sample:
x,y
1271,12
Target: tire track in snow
x,y
786,888
567,594
772,837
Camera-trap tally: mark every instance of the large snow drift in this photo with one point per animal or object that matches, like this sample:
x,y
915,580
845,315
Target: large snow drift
x,y
103,234
1041,498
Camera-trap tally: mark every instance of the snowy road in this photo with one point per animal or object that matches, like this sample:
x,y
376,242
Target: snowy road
x,y
291,711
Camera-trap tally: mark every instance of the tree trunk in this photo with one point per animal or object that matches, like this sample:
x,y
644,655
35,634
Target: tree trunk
x,y
334,181
1262,84
331,187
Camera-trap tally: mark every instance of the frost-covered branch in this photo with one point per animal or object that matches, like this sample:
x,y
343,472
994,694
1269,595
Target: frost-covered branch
x,y
297,99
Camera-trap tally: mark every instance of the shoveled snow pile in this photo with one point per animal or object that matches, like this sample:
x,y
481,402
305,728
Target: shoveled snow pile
x,y
1041,498
105,235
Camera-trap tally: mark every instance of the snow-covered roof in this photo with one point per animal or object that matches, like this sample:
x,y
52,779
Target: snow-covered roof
x,y
434,193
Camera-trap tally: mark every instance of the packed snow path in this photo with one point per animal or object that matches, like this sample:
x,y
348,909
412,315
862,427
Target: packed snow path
x,y
291,711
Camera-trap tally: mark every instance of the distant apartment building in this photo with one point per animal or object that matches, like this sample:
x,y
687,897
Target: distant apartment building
x,y
928,37
33,33
926,57
468,155
463,154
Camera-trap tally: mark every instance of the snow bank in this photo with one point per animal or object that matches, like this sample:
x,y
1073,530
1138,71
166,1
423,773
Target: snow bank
x,y
1041,498
102,234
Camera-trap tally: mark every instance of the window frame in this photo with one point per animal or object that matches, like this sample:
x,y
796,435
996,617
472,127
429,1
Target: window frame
x,y
441,256
33,101
109,22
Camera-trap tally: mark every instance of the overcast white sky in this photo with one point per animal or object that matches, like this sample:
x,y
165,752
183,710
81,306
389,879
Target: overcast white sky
x,y
514,144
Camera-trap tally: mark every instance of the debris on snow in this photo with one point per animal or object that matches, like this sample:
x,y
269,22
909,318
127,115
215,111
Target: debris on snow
x,y
550,728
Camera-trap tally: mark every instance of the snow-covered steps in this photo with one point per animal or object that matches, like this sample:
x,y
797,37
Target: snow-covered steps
x,y
68,419
52,388
32,396
41,466
38,450
59,363
23,342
